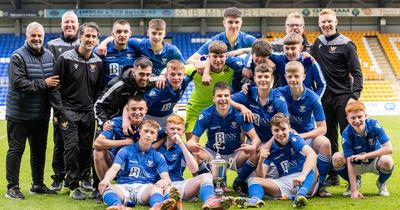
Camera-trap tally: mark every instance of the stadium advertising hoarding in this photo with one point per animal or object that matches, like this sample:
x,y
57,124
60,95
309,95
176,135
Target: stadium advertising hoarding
x,y
218,12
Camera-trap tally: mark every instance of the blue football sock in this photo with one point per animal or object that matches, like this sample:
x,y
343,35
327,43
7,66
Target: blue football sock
x,y
206,191
323,165
155,198
307,184
342,171
166,196
245,171
203,168
111,198
384,175
255,189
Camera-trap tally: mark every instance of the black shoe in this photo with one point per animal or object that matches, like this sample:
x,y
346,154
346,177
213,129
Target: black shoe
x,y
14,193
240,187
86,185
41,189
332,180
57,185
96,196
77,194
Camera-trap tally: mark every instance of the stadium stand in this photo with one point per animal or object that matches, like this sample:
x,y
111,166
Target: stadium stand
x,y
375,88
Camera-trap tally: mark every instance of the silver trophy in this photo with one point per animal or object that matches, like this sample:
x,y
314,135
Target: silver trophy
x,y
218,171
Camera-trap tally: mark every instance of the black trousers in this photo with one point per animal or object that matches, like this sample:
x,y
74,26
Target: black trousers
x,y
334,109
17,133
58,153
77,131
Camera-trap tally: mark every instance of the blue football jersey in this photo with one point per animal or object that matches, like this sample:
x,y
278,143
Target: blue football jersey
x,y
243,41
161,102
314,80
304,111
223,132
159,60
175,159
115,61
139,167
373,139
275,103
288,159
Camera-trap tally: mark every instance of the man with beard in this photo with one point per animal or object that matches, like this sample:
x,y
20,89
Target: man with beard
x,y
28,110
68,40
80,74
119,53
337,56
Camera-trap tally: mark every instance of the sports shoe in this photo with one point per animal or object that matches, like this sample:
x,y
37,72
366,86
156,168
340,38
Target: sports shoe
x,y
168,204
56,185
86,185
300,201
14,193
383,191
77,194
96,196
322,192
243,202
41,189
226,202
240,187
118,207
332,180
174,194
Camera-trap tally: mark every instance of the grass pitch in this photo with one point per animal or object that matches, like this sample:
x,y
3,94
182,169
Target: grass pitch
x,y
49,202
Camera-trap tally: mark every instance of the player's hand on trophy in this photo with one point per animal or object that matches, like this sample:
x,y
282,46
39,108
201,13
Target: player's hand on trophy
x,y
107,125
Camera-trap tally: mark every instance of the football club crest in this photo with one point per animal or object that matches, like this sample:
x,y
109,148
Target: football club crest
x,y
302,108
371,141
60,49
128,55
149,163
64,125
76,66
174,156
332,49
234,125
164,60
92,67
270,109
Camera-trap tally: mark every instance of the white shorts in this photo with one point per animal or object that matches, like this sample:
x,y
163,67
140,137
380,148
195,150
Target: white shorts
x,y
161,120
181,186
367,167
133,192
285,185
230,159
309,142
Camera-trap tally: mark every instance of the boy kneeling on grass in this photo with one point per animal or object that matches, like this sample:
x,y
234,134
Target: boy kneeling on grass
x,y
366,149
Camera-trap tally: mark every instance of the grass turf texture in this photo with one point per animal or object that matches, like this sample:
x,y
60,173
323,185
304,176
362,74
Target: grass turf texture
x,y
49,202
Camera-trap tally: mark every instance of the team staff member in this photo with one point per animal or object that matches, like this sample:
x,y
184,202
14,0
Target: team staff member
x,y
338,59
68,40
28,109
80,74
